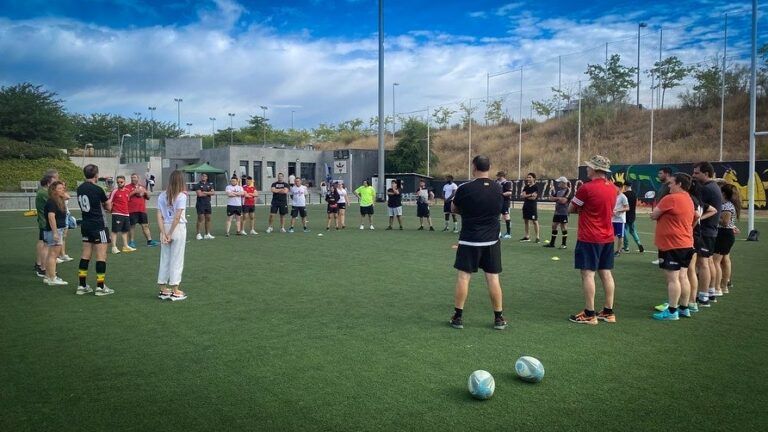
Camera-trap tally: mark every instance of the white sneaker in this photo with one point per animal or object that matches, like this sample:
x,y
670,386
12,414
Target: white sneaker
x,y
253,232
655,262
209,237
177,297
59,260
269,230
372,227
83,290
104,291
66,258
115,250
282,230
362,227
243,233
55,281
198,237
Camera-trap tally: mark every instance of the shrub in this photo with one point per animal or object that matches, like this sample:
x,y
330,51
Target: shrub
x,y
10,149
14,171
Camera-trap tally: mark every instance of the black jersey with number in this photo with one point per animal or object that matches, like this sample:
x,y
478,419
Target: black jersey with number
x,y
479,203
90,198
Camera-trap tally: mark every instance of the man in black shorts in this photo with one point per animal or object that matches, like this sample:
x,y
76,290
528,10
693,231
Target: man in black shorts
x,y
92,199
530,213
279,203
479,204
711,196
204,191
506,192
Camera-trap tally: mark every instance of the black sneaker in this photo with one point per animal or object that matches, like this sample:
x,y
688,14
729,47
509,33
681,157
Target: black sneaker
x,y
40,272
538,241
421,228
549,245
431,228
401,228
457,322
641,248
500,323
525,239
389,228
702,303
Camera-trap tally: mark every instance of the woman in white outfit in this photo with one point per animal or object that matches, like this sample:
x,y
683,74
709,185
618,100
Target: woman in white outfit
x,y
171,205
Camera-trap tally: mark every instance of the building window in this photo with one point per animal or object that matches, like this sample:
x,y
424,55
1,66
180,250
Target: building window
x,y
243,168
307,171
271,165
291,169
257,174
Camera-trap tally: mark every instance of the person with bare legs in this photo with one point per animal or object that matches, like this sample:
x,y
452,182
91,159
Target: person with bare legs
x,y
594,202
249,206
479,204
530,195
234,205
675,217
332,198
726,237
137,210
56,220
204,192
711,196
93,202
395,205
279,202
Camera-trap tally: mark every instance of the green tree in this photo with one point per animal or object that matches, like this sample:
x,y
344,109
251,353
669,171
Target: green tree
x,y
494,110
466,112
544,107
410,153
442,116
707,89
610,83
668,73
28,113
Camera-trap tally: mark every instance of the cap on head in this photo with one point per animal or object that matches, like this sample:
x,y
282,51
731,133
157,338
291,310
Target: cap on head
x,y
599,163
562,179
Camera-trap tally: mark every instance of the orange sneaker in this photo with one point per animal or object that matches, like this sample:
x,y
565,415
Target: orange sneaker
x,y
606,317
582,318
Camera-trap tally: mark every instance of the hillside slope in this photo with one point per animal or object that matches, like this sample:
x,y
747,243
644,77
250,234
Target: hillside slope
x,y
549,148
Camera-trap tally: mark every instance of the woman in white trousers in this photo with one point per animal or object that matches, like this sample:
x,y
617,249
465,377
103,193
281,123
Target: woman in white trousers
x,y
171,207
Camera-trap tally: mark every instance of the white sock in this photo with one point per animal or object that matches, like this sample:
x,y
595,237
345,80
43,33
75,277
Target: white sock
x,y
703,296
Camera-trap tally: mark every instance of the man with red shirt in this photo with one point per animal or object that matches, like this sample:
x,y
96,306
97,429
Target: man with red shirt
x,y
675,217
249,205
121,221
137,208
594,203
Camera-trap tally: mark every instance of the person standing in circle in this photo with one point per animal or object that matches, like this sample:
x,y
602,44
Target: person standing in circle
x,y
560,218
479,204
92,201
56,220
204,192
449,189
171,205
423,197
395,204
342,191
332,198
234,205
298,204
279,203
530,212
249,205
366,195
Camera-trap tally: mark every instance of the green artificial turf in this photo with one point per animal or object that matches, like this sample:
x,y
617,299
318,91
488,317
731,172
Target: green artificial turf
x,y
349,332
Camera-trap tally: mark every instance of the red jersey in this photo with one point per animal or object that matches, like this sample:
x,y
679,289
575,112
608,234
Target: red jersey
x,y
249,201
119,199
136,203
596,199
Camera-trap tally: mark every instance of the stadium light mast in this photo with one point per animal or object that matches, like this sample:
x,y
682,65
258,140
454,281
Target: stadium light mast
x,y
213,130
231,134
189,129
178,112
380,185
639,26
393,111
120,153
264,109
152,122
752,123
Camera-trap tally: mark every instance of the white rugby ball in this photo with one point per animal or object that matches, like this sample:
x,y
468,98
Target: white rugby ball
x,y
529,369
481,384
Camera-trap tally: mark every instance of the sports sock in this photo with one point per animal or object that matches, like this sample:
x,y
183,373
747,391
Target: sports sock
x,y
458,312
497,314
82,272
608,311
703,296
101,270
565,236
553,238
672,310
589,313
509,228
681,307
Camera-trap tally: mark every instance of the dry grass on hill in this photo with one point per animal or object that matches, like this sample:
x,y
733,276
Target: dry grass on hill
x,y
549,148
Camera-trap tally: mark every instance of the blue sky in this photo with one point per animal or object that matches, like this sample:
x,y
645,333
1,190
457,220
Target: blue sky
x,y
317,58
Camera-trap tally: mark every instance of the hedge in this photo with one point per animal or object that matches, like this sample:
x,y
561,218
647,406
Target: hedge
x,y
14,171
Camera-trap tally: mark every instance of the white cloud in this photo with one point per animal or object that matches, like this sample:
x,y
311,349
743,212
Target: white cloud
x,y
217,70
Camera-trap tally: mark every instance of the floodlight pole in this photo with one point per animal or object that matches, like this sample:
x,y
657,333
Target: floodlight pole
x,y
380,184
752,123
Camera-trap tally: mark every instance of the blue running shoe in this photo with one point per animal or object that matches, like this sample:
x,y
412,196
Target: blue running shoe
x,y
152,243
693,307
665,315
684,313
132,244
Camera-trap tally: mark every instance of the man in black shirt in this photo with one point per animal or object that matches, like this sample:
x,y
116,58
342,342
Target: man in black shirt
x,y
479,204
92,199
395,204
629,226
204,191
279,203
711,196
530,195
506,192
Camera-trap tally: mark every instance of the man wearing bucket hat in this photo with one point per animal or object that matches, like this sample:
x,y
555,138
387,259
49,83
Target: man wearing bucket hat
x,y
559,195
594,203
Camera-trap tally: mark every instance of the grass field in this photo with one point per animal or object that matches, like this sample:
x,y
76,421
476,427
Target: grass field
x,y
349,332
